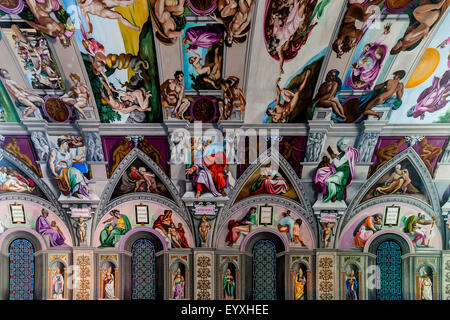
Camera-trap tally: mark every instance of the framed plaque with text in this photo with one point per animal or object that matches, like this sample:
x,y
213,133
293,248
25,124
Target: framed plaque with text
x,y
142,214
266,215
391,215
17,213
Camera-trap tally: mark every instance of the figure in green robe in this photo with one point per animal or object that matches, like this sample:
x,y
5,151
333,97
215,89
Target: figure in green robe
x,y
118,226
332,181
419,233
229,286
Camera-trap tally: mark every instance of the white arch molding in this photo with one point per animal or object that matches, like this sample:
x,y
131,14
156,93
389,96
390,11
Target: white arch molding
x,y
105,205
270,199
432,209
52,198
303,205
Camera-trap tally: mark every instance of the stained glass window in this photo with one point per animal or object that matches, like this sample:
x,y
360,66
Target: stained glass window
x,y
21,270
143,270
389,275
264,271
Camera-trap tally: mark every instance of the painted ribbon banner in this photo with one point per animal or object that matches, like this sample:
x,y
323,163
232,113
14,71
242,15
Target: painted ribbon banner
x,y
80,212
327,217
205,210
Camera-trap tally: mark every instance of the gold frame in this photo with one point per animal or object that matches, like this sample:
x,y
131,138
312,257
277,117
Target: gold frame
x,y
23,212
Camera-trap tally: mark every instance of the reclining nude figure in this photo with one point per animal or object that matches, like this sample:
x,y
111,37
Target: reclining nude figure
x,y
128,101
103,8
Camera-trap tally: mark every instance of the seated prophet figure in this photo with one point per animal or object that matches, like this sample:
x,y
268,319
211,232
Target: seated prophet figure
x,y
44,227
270,182
118,225
210,171
70,180
366,228
332,181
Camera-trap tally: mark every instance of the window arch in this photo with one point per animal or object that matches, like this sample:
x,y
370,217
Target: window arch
x,y
21,270
264,270
389,274
143,270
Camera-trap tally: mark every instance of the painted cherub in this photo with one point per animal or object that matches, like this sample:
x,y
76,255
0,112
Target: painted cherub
x,y
204,228
327,229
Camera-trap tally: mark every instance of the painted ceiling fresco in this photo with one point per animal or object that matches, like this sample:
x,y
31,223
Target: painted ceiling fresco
x,y
324,124
146,61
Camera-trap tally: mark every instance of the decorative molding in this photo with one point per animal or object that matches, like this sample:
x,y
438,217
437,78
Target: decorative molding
x,y
303,206
142,196
203,275
16,196
433,209
117,176
83,277
31,174
325,277
272,199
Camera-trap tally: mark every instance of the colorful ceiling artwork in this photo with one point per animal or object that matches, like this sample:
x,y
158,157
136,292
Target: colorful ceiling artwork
x,y
224,150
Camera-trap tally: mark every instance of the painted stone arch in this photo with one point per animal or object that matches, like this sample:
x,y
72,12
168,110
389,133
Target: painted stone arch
x,y
354,235
267,157
243,222
432,206
267,272
31,276
157,208
127,161
47,193
33,206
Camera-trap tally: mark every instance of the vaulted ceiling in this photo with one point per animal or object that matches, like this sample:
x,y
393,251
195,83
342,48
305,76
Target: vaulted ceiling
x,y
265,61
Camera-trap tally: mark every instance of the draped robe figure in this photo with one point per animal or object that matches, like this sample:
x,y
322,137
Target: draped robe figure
x,y
203,36
58,286
108,285
426,288
366,229
178,286
352,286
270,181
368,65
299,285
43,227
229,286
110,235
333,180
209,171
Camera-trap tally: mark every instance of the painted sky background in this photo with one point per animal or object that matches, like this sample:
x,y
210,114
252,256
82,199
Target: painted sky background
x,y
410,95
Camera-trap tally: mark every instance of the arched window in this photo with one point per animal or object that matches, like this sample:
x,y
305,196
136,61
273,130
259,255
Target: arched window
x,y
389,275
21,270
143,270
264,271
